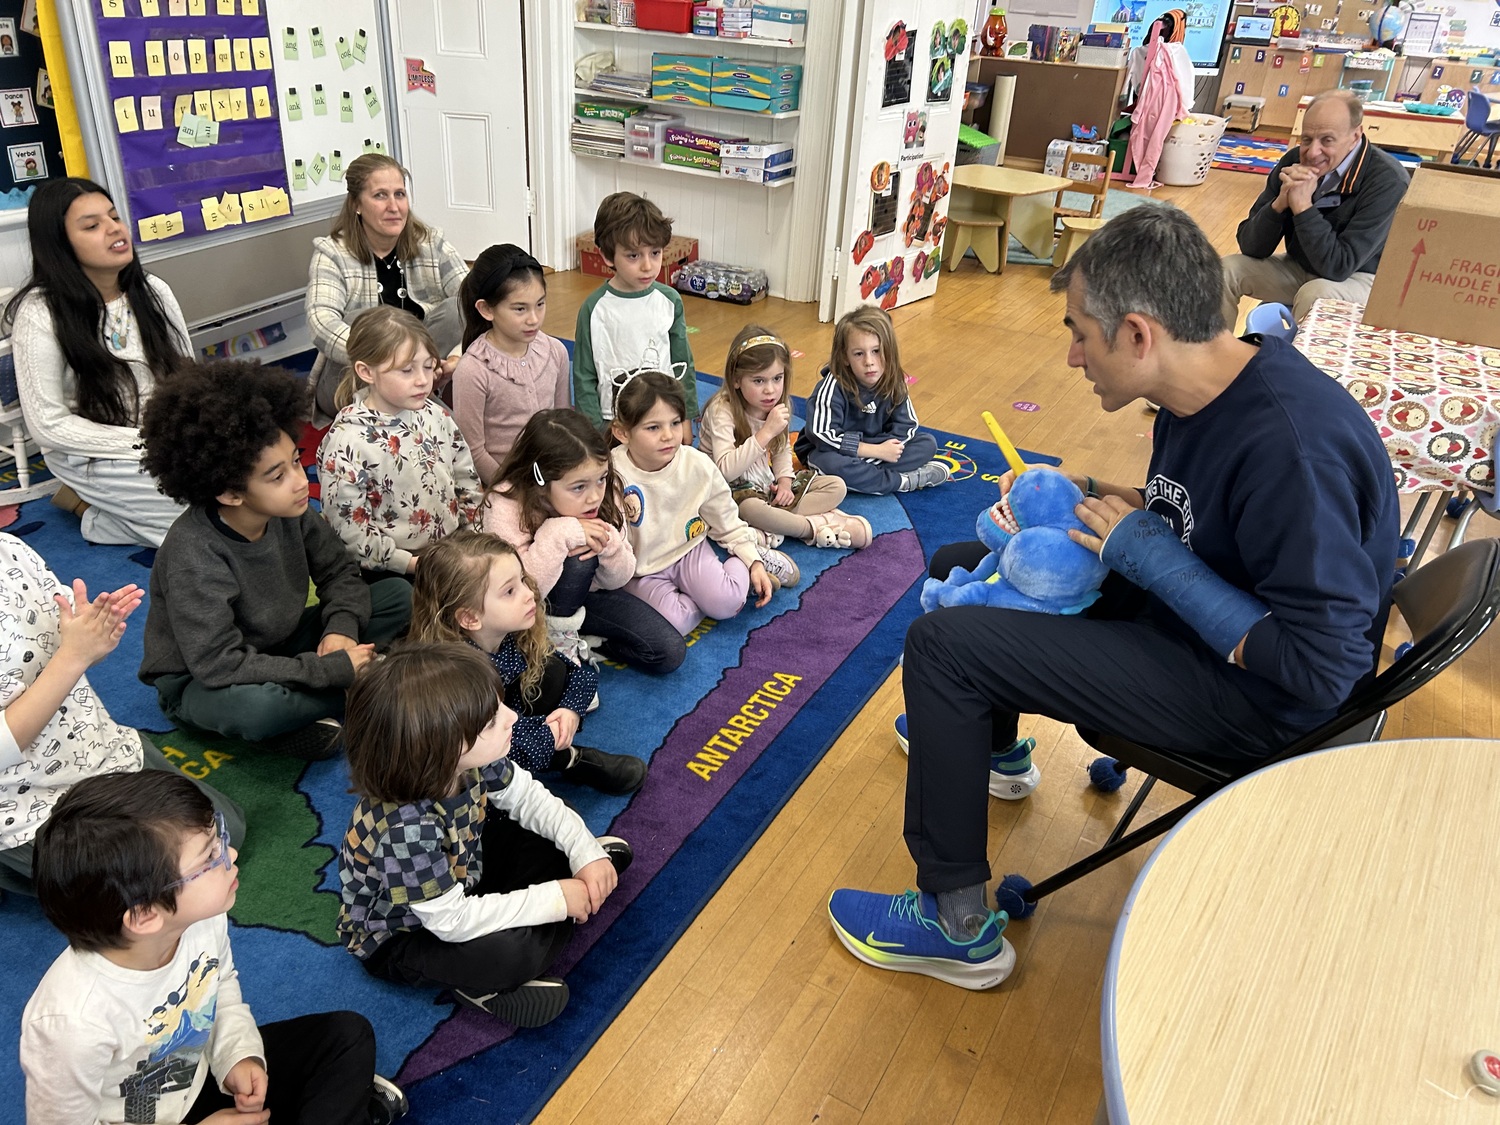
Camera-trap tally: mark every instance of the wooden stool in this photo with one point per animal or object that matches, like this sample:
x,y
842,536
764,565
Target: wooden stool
x,y
1075,233
971,224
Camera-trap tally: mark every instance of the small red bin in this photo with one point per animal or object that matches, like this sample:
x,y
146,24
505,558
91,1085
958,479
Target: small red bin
x,y
664,15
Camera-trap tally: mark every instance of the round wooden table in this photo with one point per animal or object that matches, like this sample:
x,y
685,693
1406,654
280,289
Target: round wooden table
x,y
1315,943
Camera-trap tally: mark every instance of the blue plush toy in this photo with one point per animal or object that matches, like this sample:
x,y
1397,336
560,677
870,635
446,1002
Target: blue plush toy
x,y
1032,564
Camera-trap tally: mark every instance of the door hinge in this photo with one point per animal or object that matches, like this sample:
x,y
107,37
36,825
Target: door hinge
x,y
833,265
530,203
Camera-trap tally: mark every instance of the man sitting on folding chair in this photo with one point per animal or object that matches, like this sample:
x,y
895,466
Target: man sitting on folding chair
x,y
1251,582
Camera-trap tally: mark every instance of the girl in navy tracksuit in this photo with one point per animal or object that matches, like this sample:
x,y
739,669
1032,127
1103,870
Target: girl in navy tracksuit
x,y
860,421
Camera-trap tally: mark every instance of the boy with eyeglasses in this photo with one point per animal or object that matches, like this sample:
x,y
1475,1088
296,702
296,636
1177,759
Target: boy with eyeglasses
x,y
128,1024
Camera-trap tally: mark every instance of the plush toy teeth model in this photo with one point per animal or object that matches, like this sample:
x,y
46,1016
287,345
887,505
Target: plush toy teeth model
x,y
1033,564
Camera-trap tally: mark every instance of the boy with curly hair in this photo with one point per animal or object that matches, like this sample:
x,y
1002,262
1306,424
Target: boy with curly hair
x,y
632,322
231,644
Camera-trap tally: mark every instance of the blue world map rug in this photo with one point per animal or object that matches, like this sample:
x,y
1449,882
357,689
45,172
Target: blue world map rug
x,y
729,737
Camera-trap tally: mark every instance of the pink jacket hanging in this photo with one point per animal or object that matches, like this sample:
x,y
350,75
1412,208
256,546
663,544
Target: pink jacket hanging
x,y
1158,108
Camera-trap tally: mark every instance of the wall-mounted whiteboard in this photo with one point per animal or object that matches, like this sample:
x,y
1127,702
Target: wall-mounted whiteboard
x,y
332,88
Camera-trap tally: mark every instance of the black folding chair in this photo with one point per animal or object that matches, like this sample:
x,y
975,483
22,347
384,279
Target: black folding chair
x,y
1447,604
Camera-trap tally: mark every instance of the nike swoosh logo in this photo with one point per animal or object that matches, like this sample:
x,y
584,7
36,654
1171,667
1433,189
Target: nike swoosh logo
x,y
878,944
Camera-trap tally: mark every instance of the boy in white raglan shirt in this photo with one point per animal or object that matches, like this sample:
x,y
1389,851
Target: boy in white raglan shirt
x,y
144,1005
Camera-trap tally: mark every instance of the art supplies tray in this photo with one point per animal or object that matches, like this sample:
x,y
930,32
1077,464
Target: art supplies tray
x,y
1431,110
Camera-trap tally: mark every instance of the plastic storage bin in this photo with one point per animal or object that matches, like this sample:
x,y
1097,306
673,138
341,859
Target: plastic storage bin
x,y
652,125
1189,150
664,15
644,150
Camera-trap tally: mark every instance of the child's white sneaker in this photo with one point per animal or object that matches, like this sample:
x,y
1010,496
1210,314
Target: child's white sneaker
x,y
781,568
931,474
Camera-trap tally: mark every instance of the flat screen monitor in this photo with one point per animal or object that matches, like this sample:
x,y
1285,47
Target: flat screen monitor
x,y
1208,20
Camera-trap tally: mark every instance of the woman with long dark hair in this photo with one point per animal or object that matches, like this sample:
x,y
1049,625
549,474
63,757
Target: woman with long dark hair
x,y
379,253
93,333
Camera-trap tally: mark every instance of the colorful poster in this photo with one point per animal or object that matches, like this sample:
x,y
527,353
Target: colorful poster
x,y
215,148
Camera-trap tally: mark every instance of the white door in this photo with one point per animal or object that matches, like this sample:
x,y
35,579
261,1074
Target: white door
x,y
463,129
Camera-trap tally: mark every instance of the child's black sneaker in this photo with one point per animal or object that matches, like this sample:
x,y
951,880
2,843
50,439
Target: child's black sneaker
x,y
532,1004
615,774
316,742
387,1102
620,853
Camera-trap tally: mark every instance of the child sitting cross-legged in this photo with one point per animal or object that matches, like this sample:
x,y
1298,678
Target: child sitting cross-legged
x,y
472,589
459,869
231,644
141,1017
396,472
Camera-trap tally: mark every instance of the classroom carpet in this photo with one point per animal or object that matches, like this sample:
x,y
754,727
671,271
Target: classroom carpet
x,y
714,785
1238,152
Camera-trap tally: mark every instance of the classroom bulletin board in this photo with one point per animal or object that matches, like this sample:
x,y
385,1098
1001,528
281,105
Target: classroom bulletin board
x,y
193,94
28,124
332,90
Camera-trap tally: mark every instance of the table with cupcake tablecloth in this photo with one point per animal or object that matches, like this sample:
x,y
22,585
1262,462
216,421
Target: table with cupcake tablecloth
x,y
1435,402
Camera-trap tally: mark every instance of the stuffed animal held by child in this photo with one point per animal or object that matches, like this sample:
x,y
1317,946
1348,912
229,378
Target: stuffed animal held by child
x,y
1032,564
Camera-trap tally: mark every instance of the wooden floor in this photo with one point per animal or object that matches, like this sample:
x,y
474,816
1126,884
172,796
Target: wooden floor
x,y
758,1014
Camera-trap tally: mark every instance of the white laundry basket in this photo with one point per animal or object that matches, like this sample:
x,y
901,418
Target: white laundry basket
x,y
1189,149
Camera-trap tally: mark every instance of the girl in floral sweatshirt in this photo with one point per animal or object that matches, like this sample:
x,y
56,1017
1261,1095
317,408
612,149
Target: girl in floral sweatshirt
x,y
395,470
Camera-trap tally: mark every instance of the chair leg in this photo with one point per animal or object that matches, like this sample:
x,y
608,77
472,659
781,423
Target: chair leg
x,y
987,247
1064,249
1131,809
1462,147
1111,852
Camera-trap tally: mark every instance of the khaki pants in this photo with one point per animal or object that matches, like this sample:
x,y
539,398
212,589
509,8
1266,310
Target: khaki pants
x,y
1282,280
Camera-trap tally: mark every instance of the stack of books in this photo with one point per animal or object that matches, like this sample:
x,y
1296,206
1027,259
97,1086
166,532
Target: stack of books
x,y
621,84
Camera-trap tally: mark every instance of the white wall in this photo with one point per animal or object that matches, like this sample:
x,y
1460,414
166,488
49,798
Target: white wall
x,y
15,250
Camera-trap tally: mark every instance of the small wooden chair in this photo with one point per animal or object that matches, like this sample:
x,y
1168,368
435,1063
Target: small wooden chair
x,y
1097,187
1075,231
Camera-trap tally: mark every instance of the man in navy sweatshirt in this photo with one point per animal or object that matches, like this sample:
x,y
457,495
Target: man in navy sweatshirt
x,y
1250,587
1331,199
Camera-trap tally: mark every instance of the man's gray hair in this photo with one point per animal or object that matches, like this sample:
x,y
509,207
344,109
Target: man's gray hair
x,y
1153,260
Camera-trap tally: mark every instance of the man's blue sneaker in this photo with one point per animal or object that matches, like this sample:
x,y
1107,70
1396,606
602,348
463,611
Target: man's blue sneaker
x,y
901,933
1006,786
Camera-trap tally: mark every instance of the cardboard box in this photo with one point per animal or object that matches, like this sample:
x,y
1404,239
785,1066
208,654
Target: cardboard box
x,y
772,154
678,253
679,156
755,171
703,142
1439,274
604,111
1243,112
788,25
